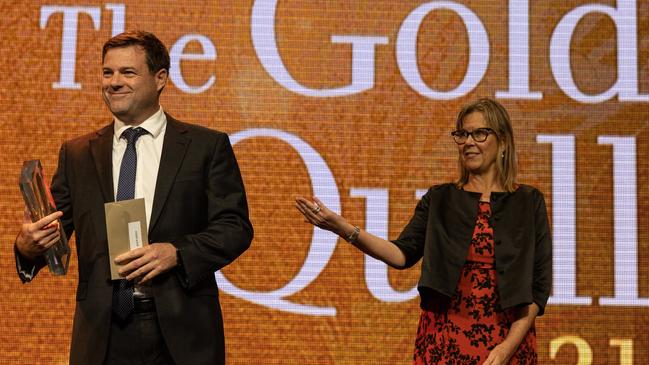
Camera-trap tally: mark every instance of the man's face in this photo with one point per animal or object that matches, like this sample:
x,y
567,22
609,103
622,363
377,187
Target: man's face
x,y
130,89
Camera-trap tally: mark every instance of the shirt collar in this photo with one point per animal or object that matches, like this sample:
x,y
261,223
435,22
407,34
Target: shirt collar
x,y
155,124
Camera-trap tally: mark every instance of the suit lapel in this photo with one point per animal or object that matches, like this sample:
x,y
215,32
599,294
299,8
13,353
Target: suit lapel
x,y
174,148
101,149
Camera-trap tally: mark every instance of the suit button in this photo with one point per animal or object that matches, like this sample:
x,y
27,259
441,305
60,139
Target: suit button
x,y
501,271
498,242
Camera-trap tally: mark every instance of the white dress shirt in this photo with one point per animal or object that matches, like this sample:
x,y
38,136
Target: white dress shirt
x,y
149,150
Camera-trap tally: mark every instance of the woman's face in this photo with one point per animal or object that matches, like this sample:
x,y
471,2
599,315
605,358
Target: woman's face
x,y
478,157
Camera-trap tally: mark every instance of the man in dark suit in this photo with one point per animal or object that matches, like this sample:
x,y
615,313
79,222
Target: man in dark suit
x,y
197,216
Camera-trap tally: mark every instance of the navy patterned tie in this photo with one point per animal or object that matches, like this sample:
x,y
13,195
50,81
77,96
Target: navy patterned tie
x,y
123,289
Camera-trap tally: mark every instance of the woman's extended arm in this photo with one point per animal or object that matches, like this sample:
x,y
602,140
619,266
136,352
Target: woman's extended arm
x,y
316,213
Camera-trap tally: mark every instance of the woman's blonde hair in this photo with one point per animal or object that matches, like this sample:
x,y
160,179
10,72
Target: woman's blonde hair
x,y
496,118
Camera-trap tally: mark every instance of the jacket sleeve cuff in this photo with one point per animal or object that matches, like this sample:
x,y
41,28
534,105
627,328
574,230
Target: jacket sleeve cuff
x,y
180,270
26,269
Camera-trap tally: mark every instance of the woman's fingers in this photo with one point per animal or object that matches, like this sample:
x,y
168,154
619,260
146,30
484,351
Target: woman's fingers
x,y
314,211
306,212
314,206
308,208
319,203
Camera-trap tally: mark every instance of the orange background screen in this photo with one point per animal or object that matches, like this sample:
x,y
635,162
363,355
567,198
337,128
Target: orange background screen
x,y
354,101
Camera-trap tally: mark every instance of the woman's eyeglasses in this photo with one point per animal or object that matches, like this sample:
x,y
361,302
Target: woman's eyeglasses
x,y
479,135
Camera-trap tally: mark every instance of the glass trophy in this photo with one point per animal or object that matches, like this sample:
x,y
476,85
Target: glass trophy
x,y
39,203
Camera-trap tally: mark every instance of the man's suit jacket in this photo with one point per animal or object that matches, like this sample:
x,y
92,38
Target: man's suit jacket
x,y
199,206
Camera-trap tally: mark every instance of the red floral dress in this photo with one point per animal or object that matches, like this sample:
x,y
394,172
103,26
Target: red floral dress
x,y
464,329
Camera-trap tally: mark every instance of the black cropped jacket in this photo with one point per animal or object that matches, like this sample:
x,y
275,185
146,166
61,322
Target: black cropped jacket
x,y
441,229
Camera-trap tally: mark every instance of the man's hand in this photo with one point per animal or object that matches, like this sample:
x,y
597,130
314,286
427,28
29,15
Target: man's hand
x,y
147,262
35,238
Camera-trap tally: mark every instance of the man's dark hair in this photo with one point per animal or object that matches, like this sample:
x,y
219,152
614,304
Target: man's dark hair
x,y
157,56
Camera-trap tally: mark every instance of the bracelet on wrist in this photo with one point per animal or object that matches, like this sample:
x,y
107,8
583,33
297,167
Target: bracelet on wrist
x,y
353,236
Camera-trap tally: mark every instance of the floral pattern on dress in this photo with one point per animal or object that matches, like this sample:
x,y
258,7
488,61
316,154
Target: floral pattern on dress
x,y
465,328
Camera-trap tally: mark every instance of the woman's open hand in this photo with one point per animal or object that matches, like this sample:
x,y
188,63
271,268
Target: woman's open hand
x,y
316,213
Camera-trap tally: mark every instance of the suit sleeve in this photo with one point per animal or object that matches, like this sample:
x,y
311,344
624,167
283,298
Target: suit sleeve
x,y
542,282
228,232
61,192
26,269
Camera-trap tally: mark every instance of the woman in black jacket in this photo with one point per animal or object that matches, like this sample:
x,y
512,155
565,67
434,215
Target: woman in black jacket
x,y
486,249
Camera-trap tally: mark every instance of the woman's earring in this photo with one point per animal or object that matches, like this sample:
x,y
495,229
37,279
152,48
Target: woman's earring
x,y
502,155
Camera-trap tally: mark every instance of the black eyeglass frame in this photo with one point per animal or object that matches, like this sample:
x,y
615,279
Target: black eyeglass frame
x,y
463,135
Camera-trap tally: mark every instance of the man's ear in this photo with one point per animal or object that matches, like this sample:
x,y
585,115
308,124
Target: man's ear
x,y
161,78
